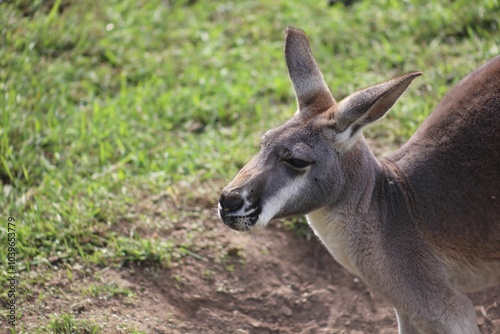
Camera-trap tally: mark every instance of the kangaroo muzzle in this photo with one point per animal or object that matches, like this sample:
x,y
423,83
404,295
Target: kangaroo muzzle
x,y
237,211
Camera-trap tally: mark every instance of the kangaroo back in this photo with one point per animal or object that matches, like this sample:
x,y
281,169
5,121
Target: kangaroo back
x,y
451,167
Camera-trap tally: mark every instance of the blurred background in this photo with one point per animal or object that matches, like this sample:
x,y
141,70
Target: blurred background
x,y
121,121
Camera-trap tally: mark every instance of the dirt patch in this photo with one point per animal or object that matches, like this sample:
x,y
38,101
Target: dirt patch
x,y
272,283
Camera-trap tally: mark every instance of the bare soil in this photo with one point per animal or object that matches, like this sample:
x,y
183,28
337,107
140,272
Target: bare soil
x,y
273,283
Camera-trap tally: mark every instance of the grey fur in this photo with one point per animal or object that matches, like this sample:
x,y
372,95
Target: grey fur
x,y
420,227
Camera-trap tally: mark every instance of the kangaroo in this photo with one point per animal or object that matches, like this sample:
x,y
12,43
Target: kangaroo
x,y
420,227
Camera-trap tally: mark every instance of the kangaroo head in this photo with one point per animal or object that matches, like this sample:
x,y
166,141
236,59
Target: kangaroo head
x,y
304,164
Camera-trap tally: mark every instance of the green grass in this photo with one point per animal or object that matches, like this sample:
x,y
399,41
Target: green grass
x,y
106,106
66,323
63,324
106,291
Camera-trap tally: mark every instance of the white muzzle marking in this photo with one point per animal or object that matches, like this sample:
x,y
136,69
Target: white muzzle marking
x,y
276,203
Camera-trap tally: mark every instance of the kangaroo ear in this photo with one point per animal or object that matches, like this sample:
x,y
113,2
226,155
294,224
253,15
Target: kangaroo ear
x,y
313,95
368,105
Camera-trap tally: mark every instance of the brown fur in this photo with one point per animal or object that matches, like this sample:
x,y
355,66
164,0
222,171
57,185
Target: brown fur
x,y
453,158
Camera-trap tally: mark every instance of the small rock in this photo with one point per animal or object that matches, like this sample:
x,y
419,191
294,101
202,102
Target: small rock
x,y
255,323
286,311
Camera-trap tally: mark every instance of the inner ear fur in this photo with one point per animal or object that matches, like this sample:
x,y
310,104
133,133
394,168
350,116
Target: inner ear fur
x,y
370,104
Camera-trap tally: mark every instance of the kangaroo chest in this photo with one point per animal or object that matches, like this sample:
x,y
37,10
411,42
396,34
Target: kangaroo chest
x,y
330,228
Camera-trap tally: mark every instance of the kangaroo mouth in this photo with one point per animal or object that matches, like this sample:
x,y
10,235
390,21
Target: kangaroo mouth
x,y
242,220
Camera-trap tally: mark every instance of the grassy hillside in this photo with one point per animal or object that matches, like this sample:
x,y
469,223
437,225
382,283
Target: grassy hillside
x,y
107,106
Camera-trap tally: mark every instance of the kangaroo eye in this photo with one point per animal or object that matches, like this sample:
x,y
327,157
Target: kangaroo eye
x,y
298,163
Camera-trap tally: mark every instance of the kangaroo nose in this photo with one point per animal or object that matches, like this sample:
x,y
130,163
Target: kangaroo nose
x,y
230,202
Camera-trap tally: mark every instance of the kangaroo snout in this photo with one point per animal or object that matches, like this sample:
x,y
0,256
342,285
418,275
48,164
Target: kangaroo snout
x,y
236,210
230,202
